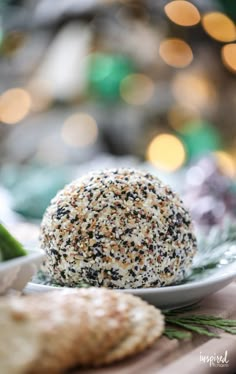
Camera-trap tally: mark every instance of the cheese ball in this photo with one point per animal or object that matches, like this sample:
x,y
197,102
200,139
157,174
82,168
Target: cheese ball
x,y
118,228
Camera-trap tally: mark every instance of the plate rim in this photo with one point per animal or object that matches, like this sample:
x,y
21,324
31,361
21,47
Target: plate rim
x,y
228,274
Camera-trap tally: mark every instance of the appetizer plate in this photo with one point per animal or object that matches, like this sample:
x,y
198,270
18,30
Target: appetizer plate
x,y
15,273
190,292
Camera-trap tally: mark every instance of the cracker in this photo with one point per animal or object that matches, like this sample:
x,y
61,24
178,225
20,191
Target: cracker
x,y
72,326
87,327
19,342
90,322
146,326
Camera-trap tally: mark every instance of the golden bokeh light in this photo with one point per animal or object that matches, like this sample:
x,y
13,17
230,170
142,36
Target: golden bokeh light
x,y
166,152
14,105
228,54
176,52
178,115
80,130
219,26
225,162
136,89
193,90
182,13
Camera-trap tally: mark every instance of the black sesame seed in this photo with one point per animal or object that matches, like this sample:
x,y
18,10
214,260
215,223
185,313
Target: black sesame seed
x,y
63,274
131,272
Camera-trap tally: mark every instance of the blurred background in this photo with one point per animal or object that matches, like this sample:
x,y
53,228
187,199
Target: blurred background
x,y
102,83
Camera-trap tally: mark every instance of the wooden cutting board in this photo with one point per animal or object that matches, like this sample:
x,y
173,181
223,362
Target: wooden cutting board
x,y
173,356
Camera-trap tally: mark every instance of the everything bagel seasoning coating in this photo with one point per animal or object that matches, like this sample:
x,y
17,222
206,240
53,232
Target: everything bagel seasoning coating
x,y
118,228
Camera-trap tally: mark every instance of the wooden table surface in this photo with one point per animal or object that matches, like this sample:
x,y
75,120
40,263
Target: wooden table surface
x,y
173,356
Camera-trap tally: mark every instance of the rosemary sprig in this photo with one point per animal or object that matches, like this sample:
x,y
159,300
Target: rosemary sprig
x,y
195,323
172,333
216,249
218,244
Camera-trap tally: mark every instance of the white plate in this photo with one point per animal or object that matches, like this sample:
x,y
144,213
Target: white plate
x,y
15,273
172,296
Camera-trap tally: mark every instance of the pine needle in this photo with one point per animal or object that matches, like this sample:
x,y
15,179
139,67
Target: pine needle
x,y
200,324
177,334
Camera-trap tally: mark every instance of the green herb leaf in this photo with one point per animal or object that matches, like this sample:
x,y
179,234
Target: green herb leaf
x,y
216,249
177,334
192,327
198,323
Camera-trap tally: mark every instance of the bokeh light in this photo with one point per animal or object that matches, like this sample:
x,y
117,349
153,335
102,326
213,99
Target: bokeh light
x,y
219,26
176,52
136,89
166,152
195,176
228,54
200,137
225,162
182,13
105,73
80,130
194,90
14,105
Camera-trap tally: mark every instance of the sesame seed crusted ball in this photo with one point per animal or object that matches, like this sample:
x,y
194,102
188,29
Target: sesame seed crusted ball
x,y
118,228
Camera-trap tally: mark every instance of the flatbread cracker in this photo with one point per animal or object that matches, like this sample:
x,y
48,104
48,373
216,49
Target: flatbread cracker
x,y
19,343
72,326
59,330
146,326
90,322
